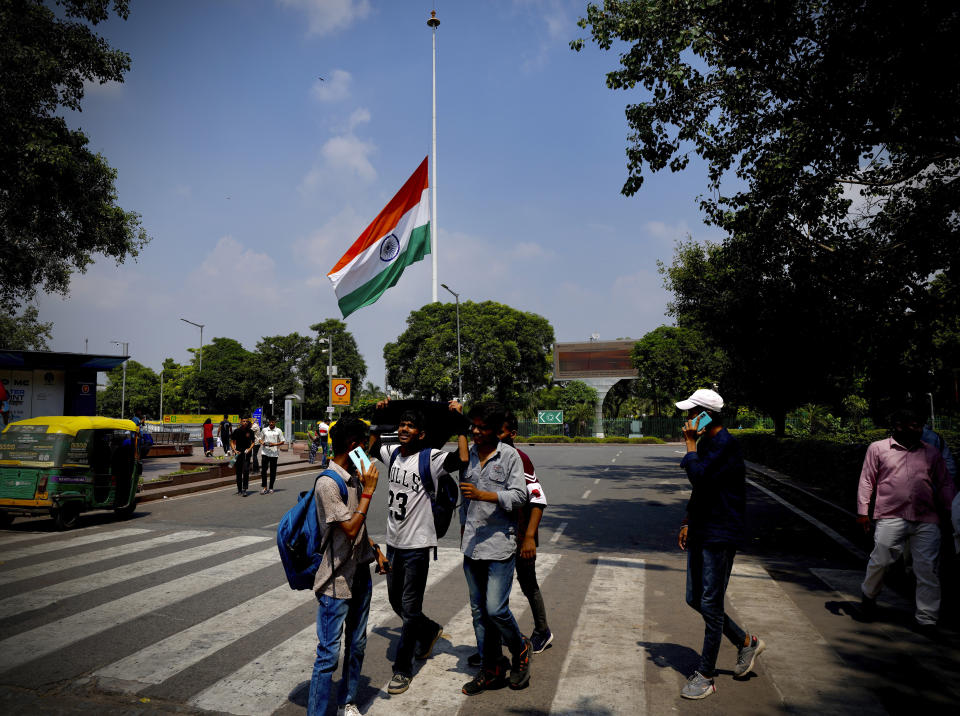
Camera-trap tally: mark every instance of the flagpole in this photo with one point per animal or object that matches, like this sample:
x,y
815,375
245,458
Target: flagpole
x,y
434,230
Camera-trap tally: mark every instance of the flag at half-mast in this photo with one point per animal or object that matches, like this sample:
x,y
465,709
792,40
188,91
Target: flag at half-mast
x,y
398,237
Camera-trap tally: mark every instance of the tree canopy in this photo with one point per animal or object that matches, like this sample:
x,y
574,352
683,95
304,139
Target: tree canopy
x,y
503,351
346,357
25,332
280,362
142,392
57,198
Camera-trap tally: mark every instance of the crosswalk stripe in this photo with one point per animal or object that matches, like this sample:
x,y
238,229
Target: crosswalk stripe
x,y
265,684
53,636
11,537
77,541
443,676
168,657
46,596
846,582
612,616
58,565
798,660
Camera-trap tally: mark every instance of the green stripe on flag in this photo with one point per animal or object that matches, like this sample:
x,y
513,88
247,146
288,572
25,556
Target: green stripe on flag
x,y
417,248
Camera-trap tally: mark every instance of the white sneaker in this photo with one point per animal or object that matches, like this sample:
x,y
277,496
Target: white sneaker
x,y
349,710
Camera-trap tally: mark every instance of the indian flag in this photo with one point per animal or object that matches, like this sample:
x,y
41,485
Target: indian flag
x,y
398,237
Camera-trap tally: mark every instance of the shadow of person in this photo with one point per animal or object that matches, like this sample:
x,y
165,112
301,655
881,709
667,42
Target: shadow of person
x,y
664,655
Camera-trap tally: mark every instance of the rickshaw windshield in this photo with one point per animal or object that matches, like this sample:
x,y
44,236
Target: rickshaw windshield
x,y
33,446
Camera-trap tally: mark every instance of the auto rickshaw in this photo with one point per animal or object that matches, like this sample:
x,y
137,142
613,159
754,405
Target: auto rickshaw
x,y
65,465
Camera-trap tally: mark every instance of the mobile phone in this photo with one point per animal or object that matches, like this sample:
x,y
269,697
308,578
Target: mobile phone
x,y
360,459
701,421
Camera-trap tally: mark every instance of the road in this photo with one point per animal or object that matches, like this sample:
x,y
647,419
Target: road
x,y
184,609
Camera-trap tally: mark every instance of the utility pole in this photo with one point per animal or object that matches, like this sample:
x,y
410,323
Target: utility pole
x,y
432,23
123,391
459,366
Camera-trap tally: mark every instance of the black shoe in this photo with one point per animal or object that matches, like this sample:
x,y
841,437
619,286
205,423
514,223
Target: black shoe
x,y
520,668
475,660
426,648
487,679
868,607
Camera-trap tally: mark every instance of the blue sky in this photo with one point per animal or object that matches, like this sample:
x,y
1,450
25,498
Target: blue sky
x,y
253,177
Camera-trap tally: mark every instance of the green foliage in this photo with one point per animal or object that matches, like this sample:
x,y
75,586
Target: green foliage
x,y
794,102
346,357
575,393
226,383
280,362
672,363
300,436
504,353
648,440
25,332
57,198
142,391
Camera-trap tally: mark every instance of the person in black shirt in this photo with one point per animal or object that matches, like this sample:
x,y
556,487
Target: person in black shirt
x,y
225,432
242,441
710,533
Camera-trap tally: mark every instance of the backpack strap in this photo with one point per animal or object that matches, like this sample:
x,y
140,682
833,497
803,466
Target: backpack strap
x,y
393,458
338,480
426,476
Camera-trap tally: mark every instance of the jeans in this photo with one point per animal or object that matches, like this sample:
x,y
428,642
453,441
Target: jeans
x,y
313,452
332,615
268,464
242,466
527,579
890,538
708,571
489,582
406,583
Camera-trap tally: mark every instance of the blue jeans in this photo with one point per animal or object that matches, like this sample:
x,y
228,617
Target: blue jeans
x,y
332,614
406,583
489,583
708,572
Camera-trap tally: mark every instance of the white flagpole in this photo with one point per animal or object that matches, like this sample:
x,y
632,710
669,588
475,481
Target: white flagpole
x,y
434,230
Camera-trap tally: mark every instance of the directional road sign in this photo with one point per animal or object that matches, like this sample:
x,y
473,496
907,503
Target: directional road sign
x,y
550,417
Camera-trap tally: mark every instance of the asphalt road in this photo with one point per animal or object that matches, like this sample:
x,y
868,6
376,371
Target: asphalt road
x,y
191,614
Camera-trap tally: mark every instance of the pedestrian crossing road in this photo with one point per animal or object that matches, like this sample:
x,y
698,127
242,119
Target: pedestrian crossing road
x,y
203,621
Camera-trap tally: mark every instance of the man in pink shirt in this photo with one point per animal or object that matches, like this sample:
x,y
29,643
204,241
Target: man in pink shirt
x,y
913,489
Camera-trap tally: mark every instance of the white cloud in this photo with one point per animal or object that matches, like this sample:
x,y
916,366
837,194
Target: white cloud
x,y
111,89
361,115
333,88
342,157
327,244
327,16
530,250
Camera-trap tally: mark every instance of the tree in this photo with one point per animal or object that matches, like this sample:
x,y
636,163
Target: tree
x,y
25,332
57,198
142,391
225,385
673,362
504,353
279,361
346,357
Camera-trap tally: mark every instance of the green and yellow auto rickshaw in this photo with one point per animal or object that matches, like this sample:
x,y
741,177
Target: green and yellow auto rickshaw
x,y
65,465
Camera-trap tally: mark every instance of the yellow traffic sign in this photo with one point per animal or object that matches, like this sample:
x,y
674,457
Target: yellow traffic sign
x,y
341,391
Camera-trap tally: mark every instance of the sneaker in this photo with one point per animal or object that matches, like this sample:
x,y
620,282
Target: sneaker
x,y
698,686
520,668
348,710
487,679
475,660
541,641
747,656
270,491
263,491
426,648
398,684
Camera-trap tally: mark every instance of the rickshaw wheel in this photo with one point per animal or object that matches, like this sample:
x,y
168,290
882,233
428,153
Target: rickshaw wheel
x,y
6,519
66,517
126,511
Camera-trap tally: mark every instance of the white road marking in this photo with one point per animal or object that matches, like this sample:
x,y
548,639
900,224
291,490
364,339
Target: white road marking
x,y
559,531
11,537
436,687
46,596
54,636
842,541
585,495
264,684
606,469
597,481
77,541
798,660
58,565
612,615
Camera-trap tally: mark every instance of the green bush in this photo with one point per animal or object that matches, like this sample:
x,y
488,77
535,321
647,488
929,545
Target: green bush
x,y
300,436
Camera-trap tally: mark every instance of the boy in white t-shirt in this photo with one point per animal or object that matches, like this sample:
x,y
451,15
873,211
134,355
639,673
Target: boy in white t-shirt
x,y
412,536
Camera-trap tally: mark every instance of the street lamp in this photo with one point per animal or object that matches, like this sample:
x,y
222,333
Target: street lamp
x,y
123,391
329,351
200,326
456,296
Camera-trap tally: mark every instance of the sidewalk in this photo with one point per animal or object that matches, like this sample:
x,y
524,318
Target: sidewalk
x,y
158,487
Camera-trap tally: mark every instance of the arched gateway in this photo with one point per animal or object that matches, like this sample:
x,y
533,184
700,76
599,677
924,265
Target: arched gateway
x,y
599,364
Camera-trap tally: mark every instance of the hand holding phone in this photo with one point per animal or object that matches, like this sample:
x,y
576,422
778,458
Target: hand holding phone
x,y
359,459
702,420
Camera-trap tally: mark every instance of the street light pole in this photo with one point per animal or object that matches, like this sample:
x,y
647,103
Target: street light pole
x,y
200,326
123,390
161,395
456,296
329,349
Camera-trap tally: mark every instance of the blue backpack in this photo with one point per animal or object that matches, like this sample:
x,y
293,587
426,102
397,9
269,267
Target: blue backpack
x,y
443,496
299,536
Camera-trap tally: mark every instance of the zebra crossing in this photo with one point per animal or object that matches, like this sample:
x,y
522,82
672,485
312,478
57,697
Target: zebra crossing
x,y
255,655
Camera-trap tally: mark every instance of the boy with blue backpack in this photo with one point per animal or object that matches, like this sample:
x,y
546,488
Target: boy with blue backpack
x,y
419,510
342,583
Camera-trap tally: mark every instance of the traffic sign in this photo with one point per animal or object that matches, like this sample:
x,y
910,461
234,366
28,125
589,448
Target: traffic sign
x,y
341,391
550,417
